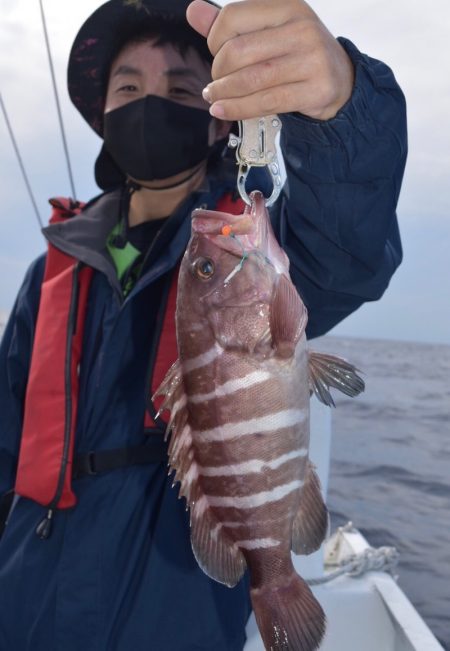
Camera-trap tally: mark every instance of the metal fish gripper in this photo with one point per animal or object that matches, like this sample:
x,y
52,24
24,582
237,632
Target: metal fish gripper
x,y
256,147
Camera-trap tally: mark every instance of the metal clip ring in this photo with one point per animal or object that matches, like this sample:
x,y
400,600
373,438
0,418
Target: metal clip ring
x,y
256,147
275,175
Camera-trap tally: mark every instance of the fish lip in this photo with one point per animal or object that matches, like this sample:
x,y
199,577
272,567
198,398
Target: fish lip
x,y
250,227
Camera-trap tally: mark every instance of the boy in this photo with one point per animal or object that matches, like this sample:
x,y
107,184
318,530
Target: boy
x,y
96,553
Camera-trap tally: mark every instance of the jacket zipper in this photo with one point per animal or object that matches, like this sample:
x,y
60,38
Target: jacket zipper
x,y
44,528
160,423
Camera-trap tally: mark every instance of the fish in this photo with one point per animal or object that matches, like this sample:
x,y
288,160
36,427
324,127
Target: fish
x,y
238,397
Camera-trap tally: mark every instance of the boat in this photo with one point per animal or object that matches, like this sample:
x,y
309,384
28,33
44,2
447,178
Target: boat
x,y
355,583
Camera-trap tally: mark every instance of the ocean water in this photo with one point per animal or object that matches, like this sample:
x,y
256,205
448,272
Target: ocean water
x,y
390,463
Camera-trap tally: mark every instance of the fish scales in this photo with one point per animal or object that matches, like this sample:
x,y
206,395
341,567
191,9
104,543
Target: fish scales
x,y
255,516
239,400
265,417
232,481
211,453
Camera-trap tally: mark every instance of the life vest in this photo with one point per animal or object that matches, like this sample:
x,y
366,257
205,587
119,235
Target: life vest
x,y
44,472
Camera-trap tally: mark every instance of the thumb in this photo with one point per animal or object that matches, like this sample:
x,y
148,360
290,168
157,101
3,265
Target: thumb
x,y
201,16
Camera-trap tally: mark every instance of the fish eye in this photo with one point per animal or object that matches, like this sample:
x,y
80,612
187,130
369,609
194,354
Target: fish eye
x,y
204,268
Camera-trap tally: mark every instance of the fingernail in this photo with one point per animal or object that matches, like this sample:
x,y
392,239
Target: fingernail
x,y
217,110
206,93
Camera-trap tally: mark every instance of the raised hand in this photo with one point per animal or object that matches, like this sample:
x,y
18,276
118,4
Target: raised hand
x,y
272,56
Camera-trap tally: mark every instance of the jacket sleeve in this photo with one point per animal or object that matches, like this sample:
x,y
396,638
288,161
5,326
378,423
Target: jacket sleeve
x,y
336,218
15,355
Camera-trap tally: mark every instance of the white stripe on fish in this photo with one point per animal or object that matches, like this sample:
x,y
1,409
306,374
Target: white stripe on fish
x,y
238,525
257,377
269,423
252,466
257,543
202,360
250,501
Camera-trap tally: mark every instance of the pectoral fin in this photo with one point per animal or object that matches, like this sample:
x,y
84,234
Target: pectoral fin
x,y
288,317
215,553
327,371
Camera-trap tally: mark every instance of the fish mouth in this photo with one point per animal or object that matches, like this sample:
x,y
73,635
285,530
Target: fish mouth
x,y
234,233
231,243
209,222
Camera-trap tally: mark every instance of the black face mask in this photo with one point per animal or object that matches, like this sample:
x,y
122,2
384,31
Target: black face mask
x,y
155,138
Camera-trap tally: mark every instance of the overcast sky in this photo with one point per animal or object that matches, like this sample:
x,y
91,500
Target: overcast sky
x,y
412,39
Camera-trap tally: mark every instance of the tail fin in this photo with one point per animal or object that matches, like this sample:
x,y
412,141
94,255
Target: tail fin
x,y
289,617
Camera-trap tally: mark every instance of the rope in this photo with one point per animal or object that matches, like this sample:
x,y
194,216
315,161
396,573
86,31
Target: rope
x,y
19,158
58,106
382,559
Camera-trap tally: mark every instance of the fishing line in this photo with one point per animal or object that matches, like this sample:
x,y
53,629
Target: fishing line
x,y
240,264
19,158
58,106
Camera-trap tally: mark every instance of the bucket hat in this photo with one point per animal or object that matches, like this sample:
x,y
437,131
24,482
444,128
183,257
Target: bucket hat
x,y
97,43
93,50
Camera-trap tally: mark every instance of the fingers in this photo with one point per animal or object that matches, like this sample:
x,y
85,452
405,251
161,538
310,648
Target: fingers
x,y
257,46
272,56
277,99
201,16
239,18
256,78
299,80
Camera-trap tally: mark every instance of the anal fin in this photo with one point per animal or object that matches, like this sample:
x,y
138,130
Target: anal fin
x,y
327,371
310,525
215,553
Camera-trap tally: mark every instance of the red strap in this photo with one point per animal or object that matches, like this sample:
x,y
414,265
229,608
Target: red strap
x,y
42,442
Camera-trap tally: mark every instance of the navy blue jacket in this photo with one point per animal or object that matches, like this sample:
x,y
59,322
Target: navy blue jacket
x,y
117,572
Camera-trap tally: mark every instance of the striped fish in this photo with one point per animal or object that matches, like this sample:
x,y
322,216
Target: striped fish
x,y
239,401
